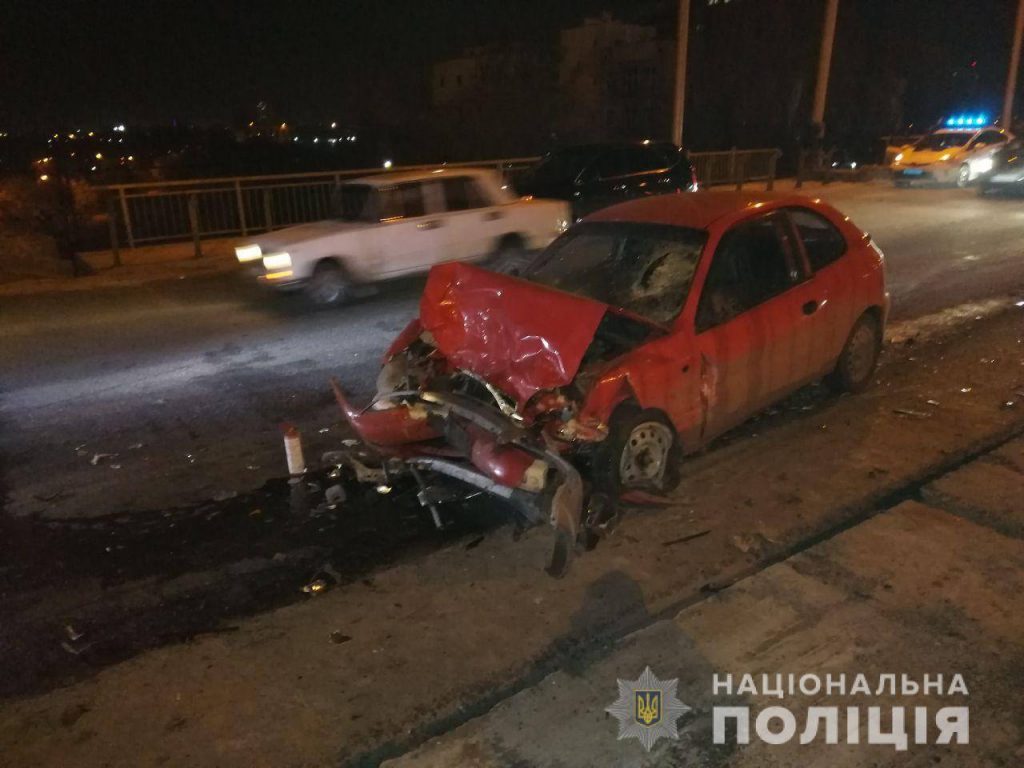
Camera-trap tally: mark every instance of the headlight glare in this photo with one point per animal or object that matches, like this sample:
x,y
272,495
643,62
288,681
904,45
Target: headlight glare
x,y
275,262
246,253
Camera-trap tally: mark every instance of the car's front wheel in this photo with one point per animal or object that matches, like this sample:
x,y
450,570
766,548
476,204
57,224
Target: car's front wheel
x,y
859,358
640,452
963,176
328,287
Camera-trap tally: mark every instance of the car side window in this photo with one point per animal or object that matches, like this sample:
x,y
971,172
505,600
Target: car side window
x,y
402,201
462,194
823,243
750,266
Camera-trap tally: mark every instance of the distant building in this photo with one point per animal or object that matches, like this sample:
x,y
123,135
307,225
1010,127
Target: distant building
x,y
614,81
603,79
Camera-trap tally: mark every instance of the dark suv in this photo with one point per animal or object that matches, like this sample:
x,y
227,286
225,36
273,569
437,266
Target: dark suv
x,y
593,176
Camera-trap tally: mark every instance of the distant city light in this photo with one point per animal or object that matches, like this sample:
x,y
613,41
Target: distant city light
x,y
334,125
93,168
119,127
99,155
387,163
131,158
91,133
295,138
316,139
44,177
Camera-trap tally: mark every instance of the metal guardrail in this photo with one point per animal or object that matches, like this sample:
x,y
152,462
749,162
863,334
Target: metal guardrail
x,y
193,209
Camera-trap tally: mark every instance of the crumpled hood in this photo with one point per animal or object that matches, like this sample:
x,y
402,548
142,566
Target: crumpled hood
x,y
518,336
291,236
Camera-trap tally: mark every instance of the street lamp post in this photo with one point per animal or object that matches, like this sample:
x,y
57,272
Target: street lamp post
x,y
682,40
828,35
1011,76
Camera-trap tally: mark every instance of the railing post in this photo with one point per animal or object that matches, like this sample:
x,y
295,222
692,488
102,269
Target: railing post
x,y
268,216
115,247
241,207
193,221
772,161
127,218
741,171
732,164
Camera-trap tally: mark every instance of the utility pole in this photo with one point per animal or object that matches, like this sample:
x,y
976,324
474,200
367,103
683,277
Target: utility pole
x,y
682,42
1011,76
828,36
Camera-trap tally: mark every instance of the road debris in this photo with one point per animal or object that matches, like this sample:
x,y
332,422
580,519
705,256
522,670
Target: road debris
x,y
338,637
335,495
684,539
97,458
910,413
315,587
475,542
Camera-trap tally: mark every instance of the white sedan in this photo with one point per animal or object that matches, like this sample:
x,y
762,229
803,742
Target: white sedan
x,y
400,224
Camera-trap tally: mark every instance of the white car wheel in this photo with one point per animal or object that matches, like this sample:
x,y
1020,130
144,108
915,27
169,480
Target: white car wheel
x,y
963,176
328,286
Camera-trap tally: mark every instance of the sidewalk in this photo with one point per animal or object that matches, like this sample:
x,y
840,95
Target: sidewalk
x,y
914,591
145,264
433,642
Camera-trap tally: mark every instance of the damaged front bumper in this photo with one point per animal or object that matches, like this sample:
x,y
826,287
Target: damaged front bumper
x,y
458,437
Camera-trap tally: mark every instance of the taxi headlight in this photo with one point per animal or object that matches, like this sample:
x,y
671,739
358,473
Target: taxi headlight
x,y
246,253
898,159
276,262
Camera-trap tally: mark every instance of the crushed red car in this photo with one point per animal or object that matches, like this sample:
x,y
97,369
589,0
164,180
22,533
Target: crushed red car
x,y
638,336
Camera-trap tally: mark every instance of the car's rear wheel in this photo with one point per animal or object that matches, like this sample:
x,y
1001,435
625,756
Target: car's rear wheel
x,y
328,287
859,358
963,176
641,452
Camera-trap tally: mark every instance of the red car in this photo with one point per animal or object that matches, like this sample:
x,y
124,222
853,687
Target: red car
x,y
637,336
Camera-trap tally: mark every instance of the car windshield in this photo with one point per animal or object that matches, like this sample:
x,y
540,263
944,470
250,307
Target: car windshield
x,y
938,141
646,269
356,202
563,165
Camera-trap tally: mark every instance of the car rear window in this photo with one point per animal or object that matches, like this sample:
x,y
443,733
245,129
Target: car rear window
x,y
646,269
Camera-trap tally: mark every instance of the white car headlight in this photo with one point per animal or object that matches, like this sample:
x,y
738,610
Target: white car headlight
x,y
983,165
277,262
246,253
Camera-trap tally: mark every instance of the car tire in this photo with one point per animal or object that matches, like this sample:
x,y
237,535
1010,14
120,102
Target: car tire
x,y
901,184
859,358
963,176
641,452
984,188
510,257
328,287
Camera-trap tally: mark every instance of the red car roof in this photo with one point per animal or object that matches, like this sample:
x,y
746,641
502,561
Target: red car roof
x,y
697,210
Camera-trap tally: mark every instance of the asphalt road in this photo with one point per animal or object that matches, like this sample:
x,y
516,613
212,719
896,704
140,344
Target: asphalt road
x,y
200,371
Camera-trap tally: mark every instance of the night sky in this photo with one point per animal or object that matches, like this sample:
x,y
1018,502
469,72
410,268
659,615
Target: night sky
x,y
78,63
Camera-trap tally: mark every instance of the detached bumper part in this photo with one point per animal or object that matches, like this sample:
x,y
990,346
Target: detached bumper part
x,y
499,457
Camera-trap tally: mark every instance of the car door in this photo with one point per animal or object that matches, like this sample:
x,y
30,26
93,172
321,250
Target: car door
x,y
411,237
749,313
473,223
829,293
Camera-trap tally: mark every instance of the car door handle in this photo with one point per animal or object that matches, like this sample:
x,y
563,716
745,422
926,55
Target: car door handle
x,y
810,307
435,224
494,215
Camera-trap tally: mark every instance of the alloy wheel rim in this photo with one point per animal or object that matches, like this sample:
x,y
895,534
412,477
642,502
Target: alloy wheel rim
x,y
645,454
